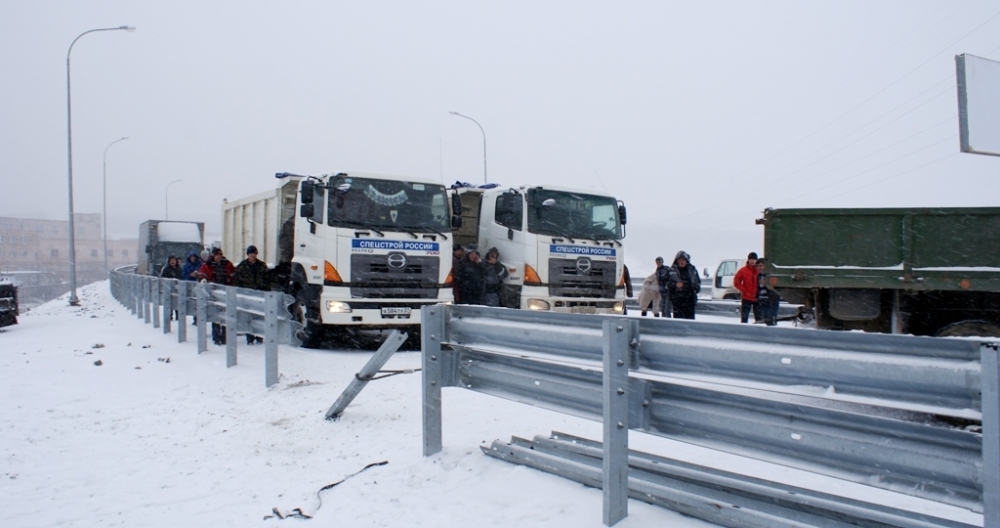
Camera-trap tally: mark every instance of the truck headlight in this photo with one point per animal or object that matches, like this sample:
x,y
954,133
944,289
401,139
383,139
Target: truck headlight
x,y
338,307
619,307
538,304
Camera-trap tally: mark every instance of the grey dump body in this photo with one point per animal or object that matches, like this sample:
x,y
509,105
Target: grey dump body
x,y
155,248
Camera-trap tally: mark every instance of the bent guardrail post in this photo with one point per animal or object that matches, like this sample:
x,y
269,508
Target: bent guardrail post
x,y
991,434
617,338
367,373
231,326
272,305
431,335
201,309
182,306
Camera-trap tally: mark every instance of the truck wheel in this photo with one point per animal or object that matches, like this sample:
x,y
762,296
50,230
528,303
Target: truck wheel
x,y
310,333
970,329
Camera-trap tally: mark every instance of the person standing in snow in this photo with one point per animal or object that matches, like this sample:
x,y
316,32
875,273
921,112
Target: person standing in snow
x,y
192,263
649,296
469,276
220,271
684,285
172,270
252,273
767,299
457,254
663,280
746,282
494,274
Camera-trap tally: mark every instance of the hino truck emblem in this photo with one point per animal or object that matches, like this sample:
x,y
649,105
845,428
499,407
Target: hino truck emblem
x,y
396,260
583,264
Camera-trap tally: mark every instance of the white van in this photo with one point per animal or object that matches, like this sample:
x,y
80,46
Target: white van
x,y
722,286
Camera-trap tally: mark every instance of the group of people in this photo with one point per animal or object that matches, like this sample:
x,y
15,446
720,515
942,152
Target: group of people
x,y
755,296
477,281
214,267
671,290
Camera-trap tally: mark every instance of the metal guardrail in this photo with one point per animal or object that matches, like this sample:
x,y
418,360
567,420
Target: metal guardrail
x,y
240,310
870,408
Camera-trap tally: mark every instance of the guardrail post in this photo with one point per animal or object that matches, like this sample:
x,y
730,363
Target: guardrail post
x,y
395,339
201,309
182,305
990,390
146,295
230,326
615,396
167,294
272,304
154,287
431,335
137,296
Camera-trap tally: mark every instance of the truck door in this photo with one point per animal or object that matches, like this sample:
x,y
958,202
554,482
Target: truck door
x,y
723,288
505,231
309,230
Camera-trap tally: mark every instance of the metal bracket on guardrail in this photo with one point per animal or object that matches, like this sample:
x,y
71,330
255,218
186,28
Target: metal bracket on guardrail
x,y
991,435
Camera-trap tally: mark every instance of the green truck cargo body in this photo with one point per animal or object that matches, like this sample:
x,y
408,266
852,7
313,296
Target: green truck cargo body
x,y
915,270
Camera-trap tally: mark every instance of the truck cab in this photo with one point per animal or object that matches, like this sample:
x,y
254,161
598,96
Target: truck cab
x,y
562,247
722,285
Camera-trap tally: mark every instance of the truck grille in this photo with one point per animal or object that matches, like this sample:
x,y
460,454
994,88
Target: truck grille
x,y
394,276
582,277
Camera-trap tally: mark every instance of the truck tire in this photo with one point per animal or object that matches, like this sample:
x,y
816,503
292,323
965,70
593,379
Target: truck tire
x,y
970,329
310,333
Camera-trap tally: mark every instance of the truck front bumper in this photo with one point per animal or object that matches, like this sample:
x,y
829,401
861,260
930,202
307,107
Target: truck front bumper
x,y
385,313
536,298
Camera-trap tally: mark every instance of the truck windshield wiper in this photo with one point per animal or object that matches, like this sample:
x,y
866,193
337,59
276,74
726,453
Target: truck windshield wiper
x,y
432,229
362,225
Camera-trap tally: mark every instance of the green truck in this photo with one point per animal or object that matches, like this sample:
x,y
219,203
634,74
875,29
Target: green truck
x,y
921,271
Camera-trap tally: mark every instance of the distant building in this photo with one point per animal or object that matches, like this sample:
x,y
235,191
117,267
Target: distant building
x,y
35,253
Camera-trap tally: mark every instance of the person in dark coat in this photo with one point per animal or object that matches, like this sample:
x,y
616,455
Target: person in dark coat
x,y
663,279
494,274
220,271
457,253
684,285
252,273
469,276
172,270
192,263
767,299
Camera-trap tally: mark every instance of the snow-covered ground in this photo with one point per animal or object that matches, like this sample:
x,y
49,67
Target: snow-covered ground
x,y
109,422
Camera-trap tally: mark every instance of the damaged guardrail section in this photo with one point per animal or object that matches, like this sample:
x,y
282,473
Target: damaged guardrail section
x,y
914,415
240,310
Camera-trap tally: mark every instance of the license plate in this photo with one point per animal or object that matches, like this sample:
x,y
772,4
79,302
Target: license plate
x,y
396,310
583,309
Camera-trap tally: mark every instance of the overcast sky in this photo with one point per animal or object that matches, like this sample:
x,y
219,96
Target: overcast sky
x,y
697,114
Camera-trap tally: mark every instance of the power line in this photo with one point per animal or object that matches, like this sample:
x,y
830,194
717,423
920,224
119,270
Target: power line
x,y
953,154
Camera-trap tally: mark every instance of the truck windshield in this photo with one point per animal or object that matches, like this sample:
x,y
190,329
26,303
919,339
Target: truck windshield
x,y
569,214
387,205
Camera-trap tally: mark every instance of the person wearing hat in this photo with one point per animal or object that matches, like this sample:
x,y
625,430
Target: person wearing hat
x,y
662,280
252,273
746,282
469,276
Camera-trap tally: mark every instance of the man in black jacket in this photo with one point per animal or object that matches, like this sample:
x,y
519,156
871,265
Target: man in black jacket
x,y
469,276
252,273
684,285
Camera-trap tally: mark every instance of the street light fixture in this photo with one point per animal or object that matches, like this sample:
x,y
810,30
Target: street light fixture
x,y
104,206
166,200
484,139
73,299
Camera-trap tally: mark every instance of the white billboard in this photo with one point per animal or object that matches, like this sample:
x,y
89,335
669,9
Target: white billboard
x,y
978,104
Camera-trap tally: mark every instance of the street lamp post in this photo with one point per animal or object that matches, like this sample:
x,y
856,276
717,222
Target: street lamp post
x,y
73,299
484,139
166,200
104,206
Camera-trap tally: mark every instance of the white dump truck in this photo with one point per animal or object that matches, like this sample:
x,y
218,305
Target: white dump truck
x,y
360,252
562,247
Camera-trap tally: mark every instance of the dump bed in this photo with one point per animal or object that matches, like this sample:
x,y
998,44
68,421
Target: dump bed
x,y
257,220
909,249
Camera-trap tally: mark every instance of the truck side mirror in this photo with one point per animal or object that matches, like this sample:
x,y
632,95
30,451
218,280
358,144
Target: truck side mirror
x,y
306,192
307,209
621,214
456,221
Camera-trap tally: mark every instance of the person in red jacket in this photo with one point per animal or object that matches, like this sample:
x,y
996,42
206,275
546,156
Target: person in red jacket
x,y
220,271
746,282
